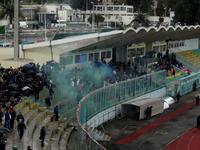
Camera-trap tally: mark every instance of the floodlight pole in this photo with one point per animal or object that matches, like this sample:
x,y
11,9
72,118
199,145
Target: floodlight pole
x,y
16,30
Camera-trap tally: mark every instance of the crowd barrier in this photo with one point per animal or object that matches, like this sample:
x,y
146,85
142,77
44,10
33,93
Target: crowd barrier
x,y
113,95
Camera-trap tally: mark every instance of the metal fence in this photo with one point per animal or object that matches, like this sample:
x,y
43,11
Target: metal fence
x,y
186,84
110,96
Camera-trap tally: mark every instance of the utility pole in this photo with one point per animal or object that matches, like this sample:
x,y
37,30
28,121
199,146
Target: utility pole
x,y
45,27
93,16
16,30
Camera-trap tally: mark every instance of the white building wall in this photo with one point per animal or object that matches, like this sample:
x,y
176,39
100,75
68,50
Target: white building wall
x,y
156,19
4,22
189,44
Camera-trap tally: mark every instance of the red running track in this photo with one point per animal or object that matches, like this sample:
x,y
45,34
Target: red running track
x,y
165,118
188,141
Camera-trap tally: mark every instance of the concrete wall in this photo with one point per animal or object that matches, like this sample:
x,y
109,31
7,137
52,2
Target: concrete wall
x,y
41,52
112,112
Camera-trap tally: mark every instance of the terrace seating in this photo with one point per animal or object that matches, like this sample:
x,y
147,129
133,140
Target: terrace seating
x,y
191,57
57,133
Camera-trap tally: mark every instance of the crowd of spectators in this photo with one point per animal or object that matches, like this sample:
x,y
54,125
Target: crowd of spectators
x,y
169,63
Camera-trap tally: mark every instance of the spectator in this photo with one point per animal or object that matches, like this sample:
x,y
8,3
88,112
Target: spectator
x,y
28,147
194,86
56,113
20,117
13,116
198,121
178,97
2,142
21,127
7,120
42,135
197,100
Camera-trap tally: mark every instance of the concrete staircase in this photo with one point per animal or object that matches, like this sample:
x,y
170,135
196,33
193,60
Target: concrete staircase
x,y
96,134
57,132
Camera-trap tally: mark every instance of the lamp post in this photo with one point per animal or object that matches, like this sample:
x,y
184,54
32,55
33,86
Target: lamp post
x,y
16,30
93,17
45,26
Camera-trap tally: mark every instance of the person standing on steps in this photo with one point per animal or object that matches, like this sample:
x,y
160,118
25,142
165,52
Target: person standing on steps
x,y
42,135
21,127
20,116
2,142
13,116
29,148
56,112
7,120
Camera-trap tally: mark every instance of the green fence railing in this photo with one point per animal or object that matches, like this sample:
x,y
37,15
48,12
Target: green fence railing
x,y
186,84
113,95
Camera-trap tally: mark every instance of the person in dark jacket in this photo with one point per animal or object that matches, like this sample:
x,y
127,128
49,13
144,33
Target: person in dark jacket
x,y
20,117
198,121
7,120
194,86
29,148
21,127
13,116
56,113
178,97
42,135
197,100
2,142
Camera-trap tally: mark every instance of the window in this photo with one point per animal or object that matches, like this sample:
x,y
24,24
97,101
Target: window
x,y
164,47
108,55
83,58
156,48
69,60
131,52
96,56
123,8
116,8
129,10
103,55
140,51
77,59
99,8
91,57
110,8
66,60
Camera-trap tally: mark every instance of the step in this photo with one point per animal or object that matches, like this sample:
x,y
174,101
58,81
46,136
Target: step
x,y
56,136
49,130
63,142
36,141
30,129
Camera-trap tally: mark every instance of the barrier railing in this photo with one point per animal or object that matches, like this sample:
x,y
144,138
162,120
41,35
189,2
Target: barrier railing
x,y
104,98
186,84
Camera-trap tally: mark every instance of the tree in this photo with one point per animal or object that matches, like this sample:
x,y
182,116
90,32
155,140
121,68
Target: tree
x,y
160,10
7,9
142,20
97,19
145,6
